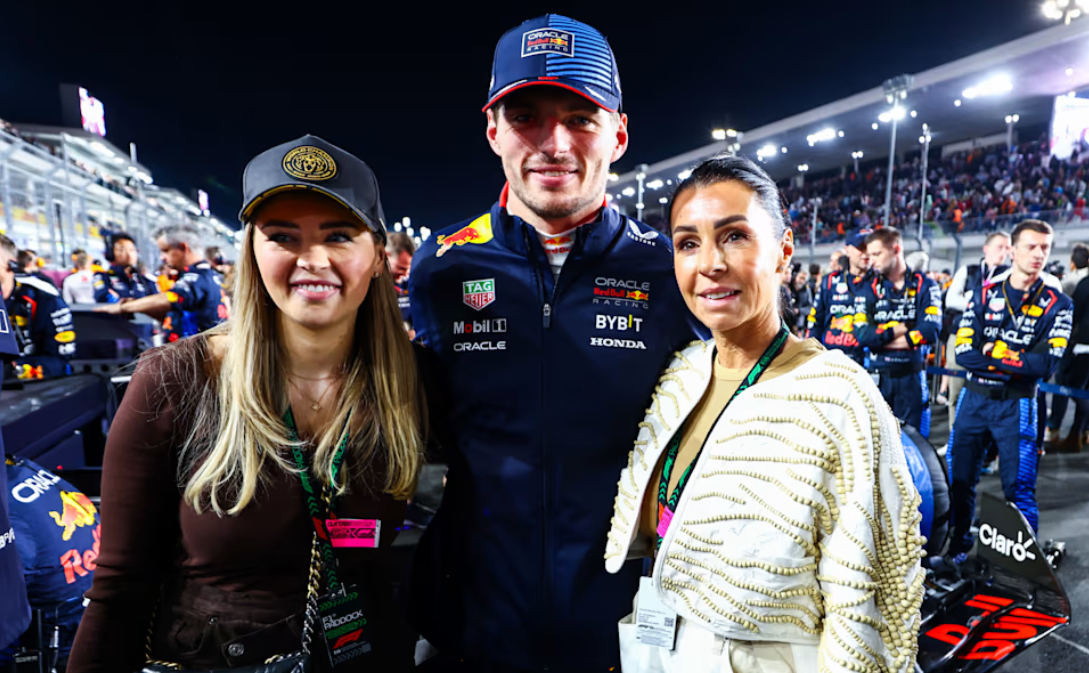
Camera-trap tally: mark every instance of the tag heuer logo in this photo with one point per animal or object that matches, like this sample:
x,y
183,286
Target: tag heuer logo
x,y
478,293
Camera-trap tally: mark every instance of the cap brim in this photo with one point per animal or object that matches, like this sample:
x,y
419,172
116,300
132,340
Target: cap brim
x,y
551,82
249,208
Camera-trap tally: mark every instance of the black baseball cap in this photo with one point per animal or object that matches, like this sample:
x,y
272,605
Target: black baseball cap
x,y
554,50
312,163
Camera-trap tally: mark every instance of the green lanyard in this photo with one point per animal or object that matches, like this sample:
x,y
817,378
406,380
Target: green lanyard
x,y
317,508
667,506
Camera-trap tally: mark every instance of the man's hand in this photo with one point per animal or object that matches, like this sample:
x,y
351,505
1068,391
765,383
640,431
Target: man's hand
x,y
987,348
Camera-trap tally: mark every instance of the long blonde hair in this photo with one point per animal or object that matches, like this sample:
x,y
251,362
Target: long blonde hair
x,y
238,429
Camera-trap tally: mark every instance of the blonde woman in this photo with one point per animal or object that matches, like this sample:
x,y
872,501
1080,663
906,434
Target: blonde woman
x,y
767,480
209,536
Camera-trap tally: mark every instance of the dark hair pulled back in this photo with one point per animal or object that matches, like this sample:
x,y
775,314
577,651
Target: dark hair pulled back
x,y
736,168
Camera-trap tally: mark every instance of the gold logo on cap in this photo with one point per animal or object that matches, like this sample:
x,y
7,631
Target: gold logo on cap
x,y
310,163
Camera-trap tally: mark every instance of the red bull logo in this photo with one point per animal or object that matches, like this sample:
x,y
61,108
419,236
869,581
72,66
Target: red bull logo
x,y
638,295
843,323
77,510
477,232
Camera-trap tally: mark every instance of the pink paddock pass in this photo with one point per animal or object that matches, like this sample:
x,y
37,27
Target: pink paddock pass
x,y
664,521
353,532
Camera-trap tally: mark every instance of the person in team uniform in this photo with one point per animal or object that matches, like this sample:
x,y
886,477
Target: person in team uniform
x,y
996,252
14,608
400,249
839,298
40,319
197,293
547,287
1012,335
900,324
123,280
57,533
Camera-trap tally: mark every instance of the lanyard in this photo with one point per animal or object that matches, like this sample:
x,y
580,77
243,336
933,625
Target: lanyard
x,y
667,506
317,508
1026,302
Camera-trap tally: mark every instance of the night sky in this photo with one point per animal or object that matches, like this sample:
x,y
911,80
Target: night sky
x,y
201,90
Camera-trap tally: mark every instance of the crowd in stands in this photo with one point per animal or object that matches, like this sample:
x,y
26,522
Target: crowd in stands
x,y
980,190
103,180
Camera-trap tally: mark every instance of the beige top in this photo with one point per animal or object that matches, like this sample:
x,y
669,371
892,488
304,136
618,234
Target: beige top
x,y
702,420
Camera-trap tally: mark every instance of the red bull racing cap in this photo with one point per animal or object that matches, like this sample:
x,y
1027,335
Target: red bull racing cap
x,y
316,165
556,51
857,238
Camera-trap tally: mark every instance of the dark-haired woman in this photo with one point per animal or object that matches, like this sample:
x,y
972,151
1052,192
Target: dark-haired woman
x,y
767,479
234,449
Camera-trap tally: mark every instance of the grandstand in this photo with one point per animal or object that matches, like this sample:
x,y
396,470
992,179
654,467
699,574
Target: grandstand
x,y
989,119
67,188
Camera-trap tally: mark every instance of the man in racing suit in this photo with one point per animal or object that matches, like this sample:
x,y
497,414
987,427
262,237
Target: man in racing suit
x,y
1012,335
40,321
197,292
902,320
552,315
122,280
14,608
57,531
840,297
996,250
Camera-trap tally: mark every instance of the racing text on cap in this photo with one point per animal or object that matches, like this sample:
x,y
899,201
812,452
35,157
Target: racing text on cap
x,y
310,163
548,41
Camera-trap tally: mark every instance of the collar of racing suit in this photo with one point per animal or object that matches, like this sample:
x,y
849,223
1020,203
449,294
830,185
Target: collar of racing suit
x,y
591,239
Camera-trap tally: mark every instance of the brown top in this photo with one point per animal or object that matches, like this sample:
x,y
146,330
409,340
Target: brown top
x,y
255,563
702,420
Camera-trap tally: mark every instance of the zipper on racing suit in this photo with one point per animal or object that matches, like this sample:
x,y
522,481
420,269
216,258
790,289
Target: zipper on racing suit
x,y
548,305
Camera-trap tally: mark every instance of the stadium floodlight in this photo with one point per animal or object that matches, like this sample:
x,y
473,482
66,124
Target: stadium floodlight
x,y
784,150
640,206
766,151
875,126
957,102
998,84
823,135
856,155
655,184
663,200
1064,10
425,232
684,175
613,177
1069,72
896,113
914,114
719,134
803,168
628,191
1010,121
397,226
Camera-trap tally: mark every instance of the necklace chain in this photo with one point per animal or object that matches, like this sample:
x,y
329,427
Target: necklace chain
x,y
314,404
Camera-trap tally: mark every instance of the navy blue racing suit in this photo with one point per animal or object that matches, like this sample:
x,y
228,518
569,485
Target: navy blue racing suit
x,y
57,532
121,282
43,329
1030,330
196,293
14,608
840,297
918,306
549,379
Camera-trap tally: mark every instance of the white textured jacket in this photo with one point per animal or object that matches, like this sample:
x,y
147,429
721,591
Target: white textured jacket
x,y
800,523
